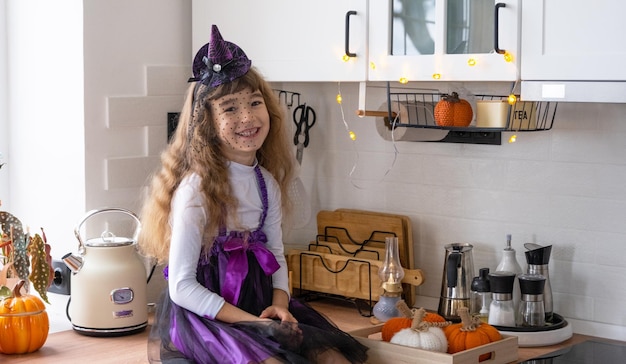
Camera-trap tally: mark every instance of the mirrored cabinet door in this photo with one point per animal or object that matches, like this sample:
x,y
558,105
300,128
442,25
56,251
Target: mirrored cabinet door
x,y
412,27
454,40
470,26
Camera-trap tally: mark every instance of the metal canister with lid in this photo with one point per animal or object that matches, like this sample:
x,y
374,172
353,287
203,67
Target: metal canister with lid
x,y
538,259
481,295
502,309
531,308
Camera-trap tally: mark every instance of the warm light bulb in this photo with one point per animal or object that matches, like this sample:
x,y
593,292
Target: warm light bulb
x,y
339,99
471,62
352,135
436,76
508,57
513,138
403,80
345,58
391,273
373,65
512,99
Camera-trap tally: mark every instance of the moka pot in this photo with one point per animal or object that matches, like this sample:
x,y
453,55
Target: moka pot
x,y
458,273
109,283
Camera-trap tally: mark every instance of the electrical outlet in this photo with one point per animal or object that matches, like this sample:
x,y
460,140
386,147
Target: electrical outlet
x,y
61,282
172,123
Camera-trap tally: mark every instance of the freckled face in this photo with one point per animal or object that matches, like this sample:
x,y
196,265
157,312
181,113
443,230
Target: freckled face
x,y
242,122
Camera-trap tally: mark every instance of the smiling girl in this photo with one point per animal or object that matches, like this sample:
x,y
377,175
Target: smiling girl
x,y
214,215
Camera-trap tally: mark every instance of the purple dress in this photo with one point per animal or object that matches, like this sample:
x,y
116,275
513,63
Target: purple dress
x,y
239,267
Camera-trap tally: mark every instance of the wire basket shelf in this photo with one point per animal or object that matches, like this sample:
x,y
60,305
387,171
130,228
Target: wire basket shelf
x,y
491,113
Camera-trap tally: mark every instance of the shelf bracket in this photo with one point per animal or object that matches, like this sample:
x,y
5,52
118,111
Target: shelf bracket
x,y
473,137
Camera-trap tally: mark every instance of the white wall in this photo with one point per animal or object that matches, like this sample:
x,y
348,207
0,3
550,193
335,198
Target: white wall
x,y
125,112
4,93
70,85
136,68
562,187
76,68
45,155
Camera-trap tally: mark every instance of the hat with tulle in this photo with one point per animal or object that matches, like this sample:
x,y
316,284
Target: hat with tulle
x,y
219,62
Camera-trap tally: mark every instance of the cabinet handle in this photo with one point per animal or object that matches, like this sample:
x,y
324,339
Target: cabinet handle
x,y
348,14
496,27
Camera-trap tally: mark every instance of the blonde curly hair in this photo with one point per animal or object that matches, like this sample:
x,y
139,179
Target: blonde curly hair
x,y
195,148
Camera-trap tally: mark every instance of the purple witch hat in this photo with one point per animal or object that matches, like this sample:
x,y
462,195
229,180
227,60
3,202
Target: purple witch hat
x,y
219,61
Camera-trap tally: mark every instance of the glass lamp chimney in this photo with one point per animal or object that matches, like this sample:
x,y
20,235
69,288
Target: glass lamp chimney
x,y
390,274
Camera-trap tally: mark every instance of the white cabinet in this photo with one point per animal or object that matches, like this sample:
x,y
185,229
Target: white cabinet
x,y
577,40
572,50
449,40
290,40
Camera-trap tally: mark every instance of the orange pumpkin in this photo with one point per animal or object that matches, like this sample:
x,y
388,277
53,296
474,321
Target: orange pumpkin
x,y
453,111
470,333
393,325
24,323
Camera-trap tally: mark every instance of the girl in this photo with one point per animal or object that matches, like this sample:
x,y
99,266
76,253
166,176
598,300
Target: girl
x,y
214,215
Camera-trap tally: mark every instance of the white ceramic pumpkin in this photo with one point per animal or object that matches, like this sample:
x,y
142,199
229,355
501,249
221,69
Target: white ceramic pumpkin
x,y
422,335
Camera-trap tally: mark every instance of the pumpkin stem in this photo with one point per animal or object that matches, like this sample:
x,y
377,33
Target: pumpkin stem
x,y
417,324
18,288
423,326
404,309
469,323
453,97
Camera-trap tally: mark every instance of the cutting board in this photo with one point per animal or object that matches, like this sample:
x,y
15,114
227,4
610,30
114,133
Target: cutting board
x,y
355,228
405,238
341,274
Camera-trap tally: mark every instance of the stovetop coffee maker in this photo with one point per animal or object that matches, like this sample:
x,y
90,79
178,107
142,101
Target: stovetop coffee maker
x,y
458,273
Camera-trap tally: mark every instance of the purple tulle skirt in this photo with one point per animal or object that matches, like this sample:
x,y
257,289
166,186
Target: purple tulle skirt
x,y
180,336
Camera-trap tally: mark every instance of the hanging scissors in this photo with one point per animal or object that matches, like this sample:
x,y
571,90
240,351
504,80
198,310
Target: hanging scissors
x,y
304,118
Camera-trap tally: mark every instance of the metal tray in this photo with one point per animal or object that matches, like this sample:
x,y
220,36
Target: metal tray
x,y
558,322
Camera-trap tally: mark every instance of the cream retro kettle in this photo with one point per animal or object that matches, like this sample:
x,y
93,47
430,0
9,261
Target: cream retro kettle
x,y
109,283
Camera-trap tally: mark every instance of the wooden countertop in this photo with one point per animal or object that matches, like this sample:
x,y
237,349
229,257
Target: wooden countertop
x,y
70,347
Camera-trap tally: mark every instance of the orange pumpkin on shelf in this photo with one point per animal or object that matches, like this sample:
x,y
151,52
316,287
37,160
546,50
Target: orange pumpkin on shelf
x,y
395,324
453,111
470,333
24,323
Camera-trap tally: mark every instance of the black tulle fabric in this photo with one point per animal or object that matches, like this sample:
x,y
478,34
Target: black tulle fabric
x,y
202,340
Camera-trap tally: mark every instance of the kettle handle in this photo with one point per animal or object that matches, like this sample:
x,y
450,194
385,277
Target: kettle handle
x,y
81,244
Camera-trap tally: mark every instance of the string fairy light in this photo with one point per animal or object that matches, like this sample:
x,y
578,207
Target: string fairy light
x,y
512,100
352,136
339,99
508,57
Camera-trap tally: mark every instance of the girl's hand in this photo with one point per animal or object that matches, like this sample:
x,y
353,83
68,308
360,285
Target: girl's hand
x,y
278,312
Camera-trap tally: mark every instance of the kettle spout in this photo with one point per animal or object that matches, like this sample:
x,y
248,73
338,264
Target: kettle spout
x,y
73,262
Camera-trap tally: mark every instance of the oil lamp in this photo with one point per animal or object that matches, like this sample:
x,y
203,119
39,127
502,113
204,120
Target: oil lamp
x,y
390,274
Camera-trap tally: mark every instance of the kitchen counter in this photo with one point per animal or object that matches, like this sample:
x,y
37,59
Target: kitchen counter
x,y
69,346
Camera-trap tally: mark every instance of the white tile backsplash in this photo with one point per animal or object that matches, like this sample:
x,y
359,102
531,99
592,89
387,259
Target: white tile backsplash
x,y
129,172
124,111
167,80
564,187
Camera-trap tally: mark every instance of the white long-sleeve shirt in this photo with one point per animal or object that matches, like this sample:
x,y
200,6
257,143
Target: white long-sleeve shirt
x,y
188,219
